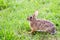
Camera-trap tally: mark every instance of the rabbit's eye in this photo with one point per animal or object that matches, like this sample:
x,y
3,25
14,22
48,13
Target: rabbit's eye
x,y
30,17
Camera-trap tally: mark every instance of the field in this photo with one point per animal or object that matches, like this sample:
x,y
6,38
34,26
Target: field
x,y
13,18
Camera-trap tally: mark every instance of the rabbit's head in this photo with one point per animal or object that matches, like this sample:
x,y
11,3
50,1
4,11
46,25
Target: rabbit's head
x,y
33,17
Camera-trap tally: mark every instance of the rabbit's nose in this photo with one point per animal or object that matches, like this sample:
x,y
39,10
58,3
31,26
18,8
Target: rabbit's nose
x,y
27,18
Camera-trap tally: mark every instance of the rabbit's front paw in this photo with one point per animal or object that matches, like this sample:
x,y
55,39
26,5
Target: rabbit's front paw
x,y
31,32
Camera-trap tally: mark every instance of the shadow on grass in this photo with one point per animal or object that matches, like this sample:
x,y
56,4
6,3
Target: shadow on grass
x,y
44,36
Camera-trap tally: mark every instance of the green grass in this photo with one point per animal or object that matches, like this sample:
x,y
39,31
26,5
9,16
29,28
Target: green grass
x,y
13,22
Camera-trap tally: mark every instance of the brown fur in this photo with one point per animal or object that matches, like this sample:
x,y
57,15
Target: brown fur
x,y
43,25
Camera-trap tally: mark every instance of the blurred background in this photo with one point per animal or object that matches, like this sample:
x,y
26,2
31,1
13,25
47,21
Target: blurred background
x,y
13,22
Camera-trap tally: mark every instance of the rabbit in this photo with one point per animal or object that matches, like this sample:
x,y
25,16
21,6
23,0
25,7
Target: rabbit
x,y
40,24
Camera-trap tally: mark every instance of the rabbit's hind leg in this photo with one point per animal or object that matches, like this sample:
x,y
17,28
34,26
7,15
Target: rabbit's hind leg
x,y
53,32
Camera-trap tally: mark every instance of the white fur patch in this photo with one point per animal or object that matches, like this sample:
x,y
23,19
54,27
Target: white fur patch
x,y
40,30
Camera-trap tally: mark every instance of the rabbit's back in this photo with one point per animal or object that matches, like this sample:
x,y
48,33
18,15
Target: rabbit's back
x,y
42,25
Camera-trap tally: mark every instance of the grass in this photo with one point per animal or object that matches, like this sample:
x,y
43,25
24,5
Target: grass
x,y
13,23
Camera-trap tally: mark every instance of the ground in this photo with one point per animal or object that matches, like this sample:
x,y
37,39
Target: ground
x,y
13,18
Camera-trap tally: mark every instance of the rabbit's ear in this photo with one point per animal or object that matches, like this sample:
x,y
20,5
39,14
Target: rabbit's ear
x,y
36,13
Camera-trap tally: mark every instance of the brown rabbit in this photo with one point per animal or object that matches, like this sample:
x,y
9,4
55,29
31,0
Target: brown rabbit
x,y
41,25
